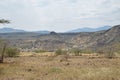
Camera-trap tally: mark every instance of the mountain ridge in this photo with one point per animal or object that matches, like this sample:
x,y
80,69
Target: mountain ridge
x,y
12,30
87,29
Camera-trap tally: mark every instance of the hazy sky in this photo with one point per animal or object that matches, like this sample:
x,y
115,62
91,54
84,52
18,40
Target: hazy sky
x,y
59,15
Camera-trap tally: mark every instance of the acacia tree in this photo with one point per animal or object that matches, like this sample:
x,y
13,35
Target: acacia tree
x,y
3,21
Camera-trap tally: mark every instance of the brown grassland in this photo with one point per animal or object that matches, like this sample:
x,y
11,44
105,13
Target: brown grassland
x,y
45,66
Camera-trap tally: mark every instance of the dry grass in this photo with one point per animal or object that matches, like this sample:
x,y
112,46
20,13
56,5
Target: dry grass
x,y
38,67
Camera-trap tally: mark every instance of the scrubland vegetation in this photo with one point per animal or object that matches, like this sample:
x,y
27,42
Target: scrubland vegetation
x,y
73,64
53,66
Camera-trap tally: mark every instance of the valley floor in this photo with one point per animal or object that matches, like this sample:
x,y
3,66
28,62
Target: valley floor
x,y
37,67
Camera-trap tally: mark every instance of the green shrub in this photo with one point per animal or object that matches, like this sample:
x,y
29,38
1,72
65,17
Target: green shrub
x,y
12,52
63,53
39,51
87,51
55,70
76,52
59,52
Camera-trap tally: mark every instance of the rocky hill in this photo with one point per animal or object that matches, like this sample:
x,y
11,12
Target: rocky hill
x,y
51,42
97,40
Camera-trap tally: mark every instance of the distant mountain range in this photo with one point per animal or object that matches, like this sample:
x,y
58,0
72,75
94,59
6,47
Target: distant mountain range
x,y
11,30
90,29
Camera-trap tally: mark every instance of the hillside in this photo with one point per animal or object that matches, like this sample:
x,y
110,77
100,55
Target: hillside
x,y
51,42
97,40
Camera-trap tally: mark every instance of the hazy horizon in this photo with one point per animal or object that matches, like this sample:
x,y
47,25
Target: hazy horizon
x,y
102,27
59,15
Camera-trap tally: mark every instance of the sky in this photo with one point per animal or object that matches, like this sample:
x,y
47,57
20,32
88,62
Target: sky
x,y
59,15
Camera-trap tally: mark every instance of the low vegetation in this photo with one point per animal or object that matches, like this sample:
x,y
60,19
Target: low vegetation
x,y
39,51
77,68
60,52
76,52
64,54
7,51
108,52
12,52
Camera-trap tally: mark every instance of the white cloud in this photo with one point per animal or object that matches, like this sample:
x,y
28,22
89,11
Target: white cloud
x,y
60,15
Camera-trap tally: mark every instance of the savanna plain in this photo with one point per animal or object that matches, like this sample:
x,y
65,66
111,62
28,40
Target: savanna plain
x,y
48,66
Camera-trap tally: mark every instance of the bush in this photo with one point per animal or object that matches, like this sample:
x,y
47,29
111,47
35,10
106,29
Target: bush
x,y
12,52
76,52
58,52
87,51
109,55
62,52
39,51
109,52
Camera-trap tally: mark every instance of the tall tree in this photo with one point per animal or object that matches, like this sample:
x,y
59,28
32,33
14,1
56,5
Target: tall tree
x,y
3,21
